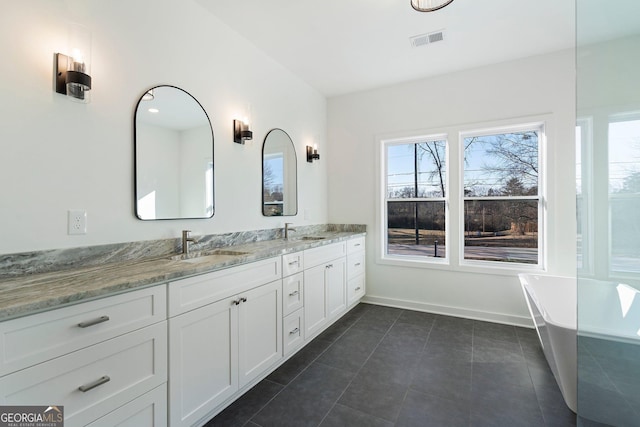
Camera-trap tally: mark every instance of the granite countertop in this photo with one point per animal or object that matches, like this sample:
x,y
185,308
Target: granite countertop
x,y
28,294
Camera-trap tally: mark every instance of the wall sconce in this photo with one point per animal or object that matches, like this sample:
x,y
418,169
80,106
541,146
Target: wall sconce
x,y
312,153
241,131
72,72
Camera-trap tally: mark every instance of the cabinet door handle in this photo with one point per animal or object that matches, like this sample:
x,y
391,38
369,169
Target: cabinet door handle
x,y
85,388
243,299
358,288
235,302
357,264
329,266
92,322
294,293
295,331
293,262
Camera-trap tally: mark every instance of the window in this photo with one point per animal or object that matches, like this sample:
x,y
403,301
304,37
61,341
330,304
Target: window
x,y
416,198
273,184
492,214
501,196
624,193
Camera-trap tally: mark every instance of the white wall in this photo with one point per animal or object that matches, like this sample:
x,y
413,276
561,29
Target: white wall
x,y
59,155
534,86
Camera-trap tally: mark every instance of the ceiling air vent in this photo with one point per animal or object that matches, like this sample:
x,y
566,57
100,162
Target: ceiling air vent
x,y
425,39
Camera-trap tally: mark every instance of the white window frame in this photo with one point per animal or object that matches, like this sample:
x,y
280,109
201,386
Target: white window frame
x,y
586,196
454,204
541,197
383,255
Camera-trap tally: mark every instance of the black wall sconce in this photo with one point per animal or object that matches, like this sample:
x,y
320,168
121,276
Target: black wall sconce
x,y
71,78
241,132
72,72
312,154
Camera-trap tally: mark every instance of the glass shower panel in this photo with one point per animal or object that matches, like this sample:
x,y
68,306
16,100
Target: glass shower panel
x,y
608,188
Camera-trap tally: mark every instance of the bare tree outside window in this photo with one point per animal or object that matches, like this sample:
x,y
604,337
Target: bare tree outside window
x,y
501,197
272,187
416,191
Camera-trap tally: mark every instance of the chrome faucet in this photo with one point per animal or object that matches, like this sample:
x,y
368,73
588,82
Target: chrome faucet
x,y
287,229
185,241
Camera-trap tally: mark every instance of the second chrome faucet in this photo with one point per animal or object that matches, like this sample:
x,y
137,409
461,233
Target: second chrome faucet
x,y
185,241
287,229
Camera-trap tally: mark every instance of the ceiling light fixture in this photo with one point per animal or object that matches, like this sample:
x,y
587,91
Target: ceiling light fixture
x,y
429,5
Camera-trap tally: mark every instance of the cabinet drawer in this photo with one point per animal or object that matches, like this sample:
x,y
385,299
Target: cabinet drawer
x,y
292,263
148,410
355,289
292,293
30,340
292,333
322,254
198,291
111,373
355,245
355,264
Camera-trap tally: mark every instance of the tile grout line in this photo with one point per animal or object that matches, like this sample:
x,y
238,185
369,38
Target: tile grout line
x,y
357,372
300,373
473,338
406,392
535,390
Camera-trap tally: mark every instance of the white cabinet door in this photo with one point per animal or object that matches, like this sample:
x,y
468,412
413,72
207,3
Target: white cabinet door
x,y
315,307
259,330
148,410
203,355
292,331
292,293
335,283
355,289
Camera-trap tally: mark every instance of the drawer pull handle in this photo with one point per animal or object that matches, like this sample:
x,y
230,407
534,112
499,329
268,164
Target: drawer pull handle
x,y
293,262
88,323
358,288
357,244
357,264
295,331
329,266
85,388
294,293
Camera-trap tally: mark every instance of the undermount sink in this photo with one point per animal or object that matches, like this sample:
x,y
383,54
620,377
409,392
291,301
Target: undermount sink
x,y
205,255
312,238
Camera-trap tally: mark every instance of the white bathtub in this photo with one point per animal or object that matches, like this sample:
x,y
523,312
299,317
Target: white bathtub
x,y
552,302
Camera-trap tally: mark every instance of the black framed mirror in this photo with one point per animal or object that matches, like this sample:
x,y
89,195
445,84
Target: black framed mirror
x,y
279,175
173,140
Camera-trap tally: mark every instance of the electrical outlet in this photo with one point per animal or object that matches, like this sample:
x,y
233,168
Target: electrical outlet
x,y
77,222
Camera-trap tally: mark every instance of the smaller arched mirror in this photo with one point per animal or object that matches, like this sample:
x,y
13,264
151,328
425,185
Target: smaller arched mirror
x,y
279,175
173,156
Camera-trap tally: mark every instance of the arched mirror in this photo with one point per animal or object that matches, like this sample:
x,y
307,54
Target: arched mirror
x,y
279,175
173,156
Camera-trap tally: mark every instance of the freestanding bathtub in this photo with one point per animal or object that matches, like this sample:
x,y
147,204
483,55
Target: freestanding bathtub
x,y
552,302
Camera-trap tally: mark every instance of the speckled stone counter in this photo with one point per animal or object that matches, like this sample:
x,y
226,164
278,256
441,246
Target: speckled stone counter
x,y
26,294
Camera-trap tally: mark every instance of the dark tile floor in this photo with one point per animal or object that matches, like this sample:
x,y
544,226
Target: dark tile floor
x,y
380,366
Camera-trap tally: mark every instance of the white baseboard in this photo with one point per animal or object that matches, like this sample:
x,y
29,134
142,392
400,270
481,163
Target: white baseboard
x,y
506,319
